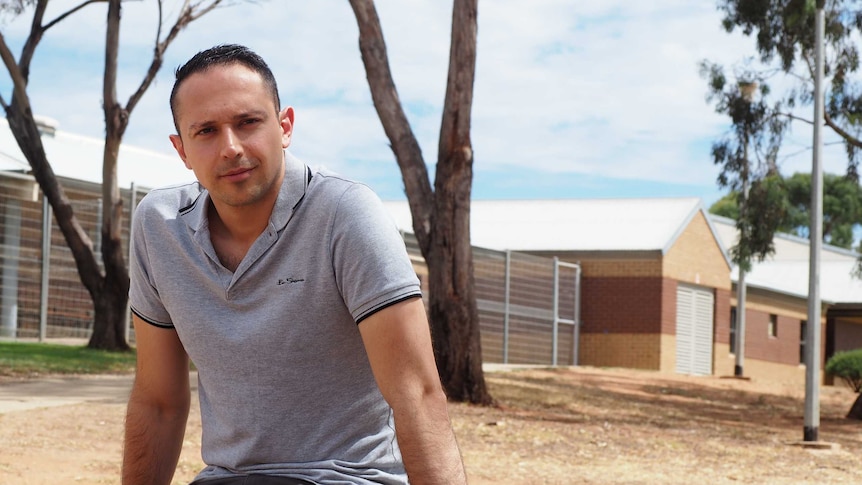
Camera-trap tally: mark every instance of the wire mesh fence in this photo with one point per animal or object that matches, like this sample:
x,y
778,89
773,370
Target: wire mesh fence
x,y
43,297
528,305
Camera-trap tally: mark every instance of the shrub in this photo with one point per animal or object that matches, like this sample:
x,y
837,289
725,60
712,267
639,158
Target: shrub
x,y
848,366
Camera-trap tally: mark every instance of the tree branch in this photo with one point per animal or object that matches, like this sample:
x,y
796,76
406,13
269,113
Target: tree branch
x,y
852,140
32,41
403,142
188,13
70,12
19,81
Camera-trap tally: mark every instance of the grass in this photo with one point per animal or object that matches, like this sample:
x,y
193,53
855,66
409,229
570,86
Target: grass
x,y
20,359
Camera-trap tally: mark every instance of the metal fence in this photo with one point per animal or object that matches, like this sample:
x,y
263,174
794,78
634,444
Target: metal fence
x,y
43,297
528,305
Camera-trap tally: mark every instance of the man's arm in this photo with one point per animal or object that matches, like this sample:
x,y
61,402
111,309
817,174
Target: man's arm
x,y
398,343
158,407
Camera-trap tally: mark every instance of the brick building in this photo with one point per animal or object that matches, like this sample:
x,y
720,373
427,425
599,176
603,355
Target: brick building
x,y
659,292
776,311
655,287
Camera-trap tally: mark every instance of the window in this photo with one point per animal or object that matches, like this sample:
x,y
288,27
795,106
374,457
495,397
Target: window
x,y
803,333
773,326
733,330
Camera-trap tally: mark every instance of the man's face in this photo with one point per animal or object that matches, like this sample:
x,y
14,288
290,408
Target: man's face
x,y
231,135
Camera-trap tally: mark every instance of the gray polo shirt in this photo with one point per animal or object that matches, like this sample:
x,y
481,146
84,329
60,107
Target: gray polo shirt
x,y
285,384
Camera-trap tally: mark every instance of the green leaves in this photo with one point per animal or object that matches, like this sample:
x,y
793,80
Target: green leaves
x,y
848,366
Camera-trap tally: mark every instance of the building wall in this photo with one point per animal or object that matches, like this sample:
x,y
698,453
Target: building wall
x,y
759,345
722,317
762,370
848,334
615,268
696,257
667,361
630,350
721,364
621,305
771,358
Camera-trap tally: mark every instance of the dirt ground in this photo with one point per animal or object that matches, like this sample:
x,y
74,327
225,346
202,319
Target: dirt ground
x,y
564,426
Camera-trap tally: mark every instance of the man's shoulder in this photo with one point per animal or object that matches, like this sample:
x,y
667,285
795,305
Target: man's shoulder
x,y
337,186
175,197
170,201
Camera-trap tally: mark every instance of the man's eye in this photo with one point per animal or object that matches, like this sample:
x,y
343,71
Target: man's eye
x,y
204,131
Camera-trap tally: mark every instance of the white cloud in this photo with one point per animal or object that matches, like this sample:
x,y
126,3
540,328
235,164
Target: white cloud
x,y
608,89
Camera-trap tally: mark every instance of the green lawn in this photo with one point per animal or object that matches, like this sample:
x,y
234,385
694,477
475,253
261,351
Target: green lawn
x,y
27,359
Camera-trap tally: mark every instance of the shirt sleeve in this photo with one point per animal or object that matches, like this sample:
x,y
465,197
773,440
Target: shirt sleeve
x,y
370,260
144,299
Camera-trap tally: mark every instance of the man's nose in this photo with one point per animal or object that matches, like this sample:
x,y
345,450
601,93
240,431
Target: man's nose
x,y
231,146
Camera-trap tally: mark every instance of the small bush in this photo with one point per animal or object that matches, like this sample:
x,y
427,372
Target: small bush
x,y
848,366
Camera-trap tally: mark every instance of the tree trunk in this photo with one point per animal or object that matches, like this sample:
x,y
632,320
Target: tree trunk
x,y
453,311
856,409
109,329
441,218
109,325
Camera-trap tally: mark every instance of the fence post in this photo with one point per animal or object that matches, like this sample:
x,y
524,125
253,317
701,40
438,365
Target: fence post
x,y
133,204
506,307
11,260
555,328
576,341
46,268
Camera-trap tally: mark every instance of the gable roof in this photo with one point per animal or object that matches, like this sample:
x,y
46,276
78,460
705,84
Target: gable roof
x,y
786,271
80,157
651,224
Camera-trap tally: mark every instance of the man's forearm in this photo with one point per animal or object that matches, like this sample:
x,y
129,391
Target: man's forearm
x,y
152,445
428,445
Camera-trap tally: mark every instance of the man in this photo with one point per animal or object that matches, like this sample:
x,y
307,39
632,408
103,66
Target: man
x,y
291,292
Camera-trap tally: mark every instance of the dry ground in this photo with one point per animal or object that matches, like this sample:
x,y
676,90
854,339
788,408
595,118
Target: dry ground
x,y
562,426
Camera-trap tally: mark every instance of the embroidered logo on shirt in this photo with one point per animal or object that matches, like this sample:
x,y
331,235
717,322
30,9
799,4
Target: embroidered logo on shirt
x,y
286,281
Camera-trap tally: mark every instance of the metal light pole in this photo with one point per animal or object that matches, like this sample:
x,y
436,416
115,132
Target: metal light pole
x,y
812,340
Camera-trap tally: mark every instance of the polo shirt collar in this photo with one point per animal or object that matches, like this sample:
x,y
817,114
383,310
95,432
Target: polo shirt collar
x,y
293,187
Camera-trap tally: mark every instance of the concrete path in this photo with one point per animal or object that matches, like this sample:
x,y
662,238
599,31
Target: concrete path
x,y
59,391
19,395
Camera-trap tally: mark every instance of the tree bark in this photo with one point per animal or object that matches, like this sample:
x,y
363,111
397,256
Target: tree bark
x,y
856,409
441,217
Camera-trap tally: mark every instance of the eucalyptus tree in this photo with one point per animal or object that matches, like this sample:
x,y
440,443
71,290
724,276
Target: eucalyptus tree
x,y
784,49
441,214
842,206
108,285
747,157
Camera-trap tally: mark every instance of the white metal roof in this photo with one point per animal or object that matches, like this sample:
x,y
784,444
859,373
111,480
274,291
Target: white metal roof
x,y
786,271
80,157
572,224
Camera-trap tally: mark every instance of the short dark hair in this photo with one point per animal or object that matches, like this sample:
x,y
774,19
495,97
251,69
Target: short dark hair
x,y
222,55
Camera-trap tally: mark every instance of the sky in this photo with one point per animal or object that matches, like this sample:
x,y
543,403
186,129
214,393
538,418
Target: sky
x,y
586,99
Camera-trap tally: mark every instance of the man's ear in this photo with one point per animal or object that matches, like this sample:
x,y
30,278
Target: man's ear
x,y
285,118
177,142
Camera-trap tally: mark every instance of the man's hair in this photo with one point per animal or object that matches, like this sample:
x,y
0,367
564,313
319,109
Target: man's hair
x,y
222,55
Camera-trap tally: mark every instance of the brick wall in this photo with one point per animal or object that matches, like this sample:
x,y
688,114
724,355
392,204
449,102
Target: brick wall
x,y
723,361
696,257
668,307
630,350
621,305
783,348
722,318
628,268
